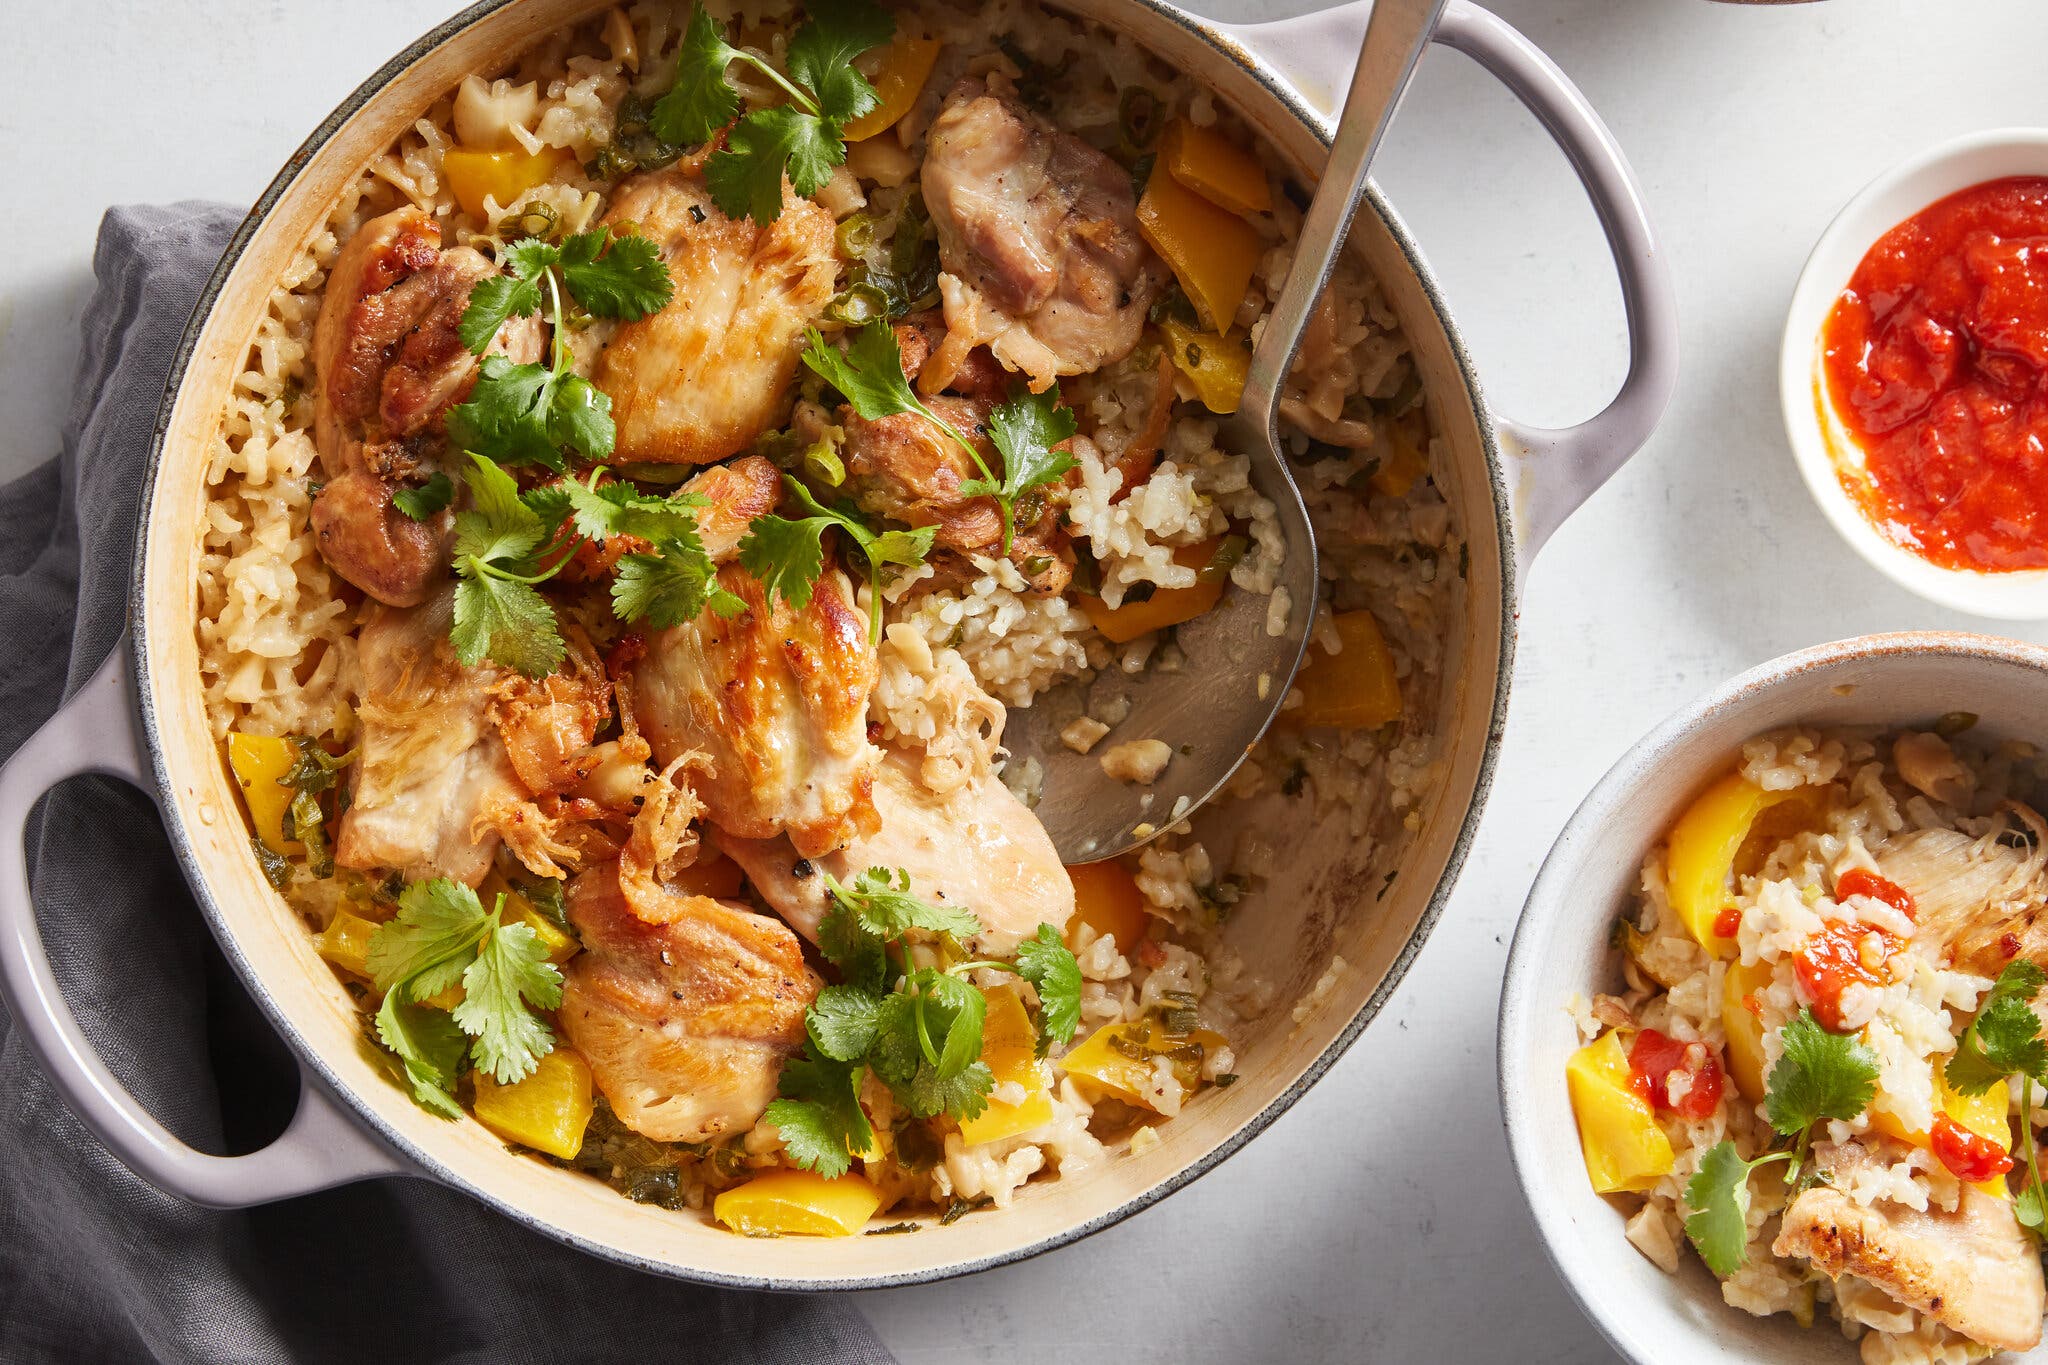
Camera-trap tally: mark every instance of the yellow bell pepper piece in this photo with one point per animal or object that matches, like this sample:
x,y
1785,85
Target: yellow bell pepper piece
x,y
346,943
1745,1031
1402,464
906,64
1700,861
805,1203
547,1111
1987,1115
1215,365
1216,168
1624,1148
1166,607
1009,1047
1355,689
259,761
1212,251
1127,1077
502,175
1107,900
560,945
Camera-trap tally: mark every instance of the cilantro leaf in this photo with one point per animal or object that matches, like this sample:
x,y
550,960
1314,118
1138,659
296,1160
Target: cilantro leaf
x,y
701,100
1024,428
1046,963
883,903
671,587
745,176
619,509
868,370
1718,1194
438,925
2005,1038
579,416
507,415
819,1115
491,302
843,1021
1821,1075
426,500
786,556
529,257
508,621
963,1095
429,1045
615,279
510,972
951,1012
858,954
2028,1206
822,52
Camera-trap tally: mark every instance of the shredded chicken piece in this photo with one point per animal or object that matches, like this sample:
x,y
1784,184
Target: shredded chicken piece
x,y
1931,768
1978,902
664,839
549,724
685,1007
777,698
1973,1270
976,846
389,366
433,774
700,379
734,494
1038,237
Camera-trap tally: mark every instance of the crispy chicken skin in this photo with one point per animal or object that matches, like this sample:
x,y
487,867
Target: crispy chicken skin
x,y
977,846
1972,1270
734,495
700,379
433,768
685,1022
777,700
549,724
389,365
1038,237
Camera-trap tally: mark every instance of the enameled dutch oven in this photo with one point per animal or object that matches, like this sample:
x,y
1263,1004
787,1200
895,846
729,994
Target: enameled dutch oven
x,y
142,716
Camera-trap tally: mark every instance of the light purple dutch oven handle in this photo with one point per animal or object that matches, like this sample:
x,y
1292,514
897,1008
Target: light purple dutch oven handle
x,y
1554,471
95,732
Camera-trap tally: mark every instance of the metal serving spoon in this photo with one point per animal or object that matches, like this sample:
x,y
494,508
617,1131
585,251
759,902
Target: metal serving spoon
x,y
1240,657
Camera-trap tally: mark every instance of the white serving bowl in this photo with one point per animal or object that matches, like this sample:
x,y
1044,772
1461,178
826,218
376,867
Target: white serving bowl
x,y
1561,947
1818,437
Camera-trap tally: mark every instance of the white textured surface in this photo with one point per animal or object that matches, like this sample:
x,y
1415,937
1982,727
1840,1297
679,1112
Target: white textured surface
x,y
1378,1219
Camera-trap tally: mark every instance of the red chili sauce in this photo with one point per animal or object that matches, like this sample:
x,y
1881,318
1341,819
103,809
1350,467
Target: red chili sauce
x,y
1936,360
1842,955
1655,1056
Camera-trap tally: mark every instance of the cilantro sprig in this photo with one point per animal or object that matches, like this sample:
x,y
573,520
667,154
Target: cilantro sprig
x,y
443,935
787,554
804,138
531,413
2005,1040
1023,428
916,1029
1820,1076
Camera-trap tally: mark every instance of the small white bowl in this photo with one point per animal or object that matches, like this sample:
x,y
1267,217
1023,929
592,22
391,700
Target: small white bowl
x,y
1811,422
1590,876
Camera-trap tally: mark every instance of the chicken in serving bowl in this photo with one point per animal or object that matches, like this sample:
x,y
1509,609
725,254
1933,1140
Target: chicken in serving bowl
x,y
1806,1058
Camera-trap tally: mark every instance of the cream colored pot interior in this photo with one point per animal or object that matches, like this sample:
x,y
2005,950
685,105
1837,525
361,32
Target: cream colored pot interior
x,y
1334,900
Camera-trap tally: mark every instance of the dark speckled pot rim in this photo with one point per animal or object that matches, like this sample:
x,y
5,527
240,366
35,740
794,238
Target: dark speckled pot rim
x,y
1273,87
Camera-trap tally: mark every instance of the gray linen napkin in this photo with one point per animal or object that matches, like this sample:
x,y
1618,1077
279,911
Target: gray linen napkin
x,y
95,1265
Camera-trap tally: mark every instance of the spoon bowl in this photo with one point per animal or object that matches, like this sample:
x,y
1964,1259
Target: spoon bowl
x,y
1238,659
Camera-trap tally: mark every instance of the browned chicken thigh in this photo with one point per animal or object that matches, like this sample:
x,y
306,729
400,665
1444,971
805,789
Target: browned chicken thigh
x,y
777,700
701,378
977,846
432,768
1038,237
389,365
1974,1270
685,1022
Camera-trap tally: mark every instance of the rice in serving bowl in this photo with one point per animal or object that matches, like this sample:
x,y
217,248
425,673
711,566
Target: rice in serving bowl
x,y
1826,820
277,628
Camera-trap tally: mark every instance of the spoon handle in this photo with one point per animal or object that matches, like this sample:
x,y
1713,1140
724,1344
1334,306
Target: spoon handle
x,y
1394,38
